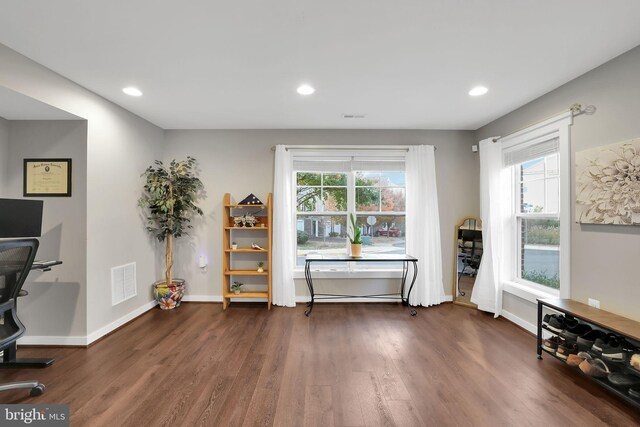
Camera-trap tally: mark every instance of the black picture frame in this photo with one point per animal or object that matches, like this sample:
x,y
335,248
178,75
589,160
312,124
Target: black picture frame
x,y
36,184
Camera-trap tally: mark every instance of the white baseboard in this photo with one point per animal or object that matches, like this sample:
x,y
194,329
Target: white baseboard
x,y
520,322
53,340
93,336
202,298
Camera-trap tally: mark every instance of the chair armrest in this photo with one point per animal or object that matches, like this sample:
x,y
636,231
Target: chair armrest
x,y
6,306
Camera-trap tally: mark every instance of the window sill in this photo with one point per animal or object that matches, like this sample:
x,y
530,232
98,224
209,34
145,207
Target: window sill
x,y
344,274
527,293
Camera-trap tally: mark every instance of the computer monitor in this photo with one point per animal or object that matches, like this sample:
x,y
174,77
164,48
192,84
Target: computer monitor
x,y
20,218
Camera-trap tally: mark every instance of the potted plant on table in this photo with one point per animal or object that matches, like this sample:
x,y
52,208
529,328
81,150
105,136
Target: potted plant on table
x,y
355,238
169,200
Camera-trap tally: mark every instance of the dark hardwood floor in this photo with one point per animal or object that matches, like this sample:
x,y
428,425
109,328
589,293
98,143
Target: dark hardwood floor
x,y
346,365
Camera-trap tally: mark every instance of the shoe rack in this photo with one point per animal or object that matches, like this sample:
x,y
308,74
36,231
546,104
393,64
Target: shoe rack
x,y
606,322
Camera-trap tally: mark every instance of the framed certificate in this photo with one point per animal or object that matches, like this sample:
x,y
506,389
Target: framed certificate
x,y
47,178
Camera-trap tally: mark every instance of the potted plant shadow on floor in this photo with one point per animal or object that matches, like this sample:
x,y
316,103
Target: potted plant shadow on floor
x,y
168,200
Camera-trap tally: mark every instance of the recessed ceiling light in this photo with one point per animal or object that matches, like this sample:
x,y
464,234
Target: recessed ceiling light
x,y
305,90
132,91
478,90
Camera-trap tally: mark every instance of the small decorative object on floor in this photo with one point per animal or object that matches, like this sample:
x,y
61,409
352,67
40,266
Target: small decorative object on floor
x,y
251,200
236,286
168,297
260,267
355,238
234,246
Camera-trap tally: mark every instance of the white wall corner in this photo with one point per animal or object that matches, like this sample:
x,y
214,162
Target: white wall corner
x,y
93,336
530,327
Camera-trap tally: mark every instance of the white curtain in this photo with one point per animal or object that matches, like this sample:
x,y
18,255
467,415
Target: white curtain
x,y
423,223
487,290
284,291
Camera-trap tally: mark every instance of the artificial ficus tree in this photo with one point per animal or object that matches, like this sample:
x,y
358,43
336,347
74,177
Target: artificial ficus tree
x,y
169,200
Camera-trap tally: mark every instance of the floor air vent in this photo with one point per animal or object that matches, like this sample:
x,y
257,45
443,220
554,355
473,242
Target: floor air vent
x,y
123,283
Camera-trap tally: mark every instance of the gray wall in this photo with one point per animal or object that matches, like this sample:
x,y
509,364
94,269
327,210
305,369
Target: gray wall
x,y
59,294
119,147
241,162
4,150
603,258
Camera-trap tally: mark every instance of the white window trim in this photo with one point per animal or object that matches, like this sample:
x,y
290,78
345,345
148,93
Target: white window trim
x,y
557,126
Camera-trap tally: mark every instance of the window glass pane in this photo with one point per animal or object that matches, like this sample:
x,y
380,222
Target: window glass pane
x,y
392,179
308,178
335,199
540,248
382,234
321,234
367,178
367,199
532,196
393,199
553,195
307,198
552,165
533,169
334,179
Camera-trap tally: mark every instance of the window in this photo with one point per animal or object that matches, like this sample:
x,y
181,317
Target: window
x,y
537,242
538,220
375,194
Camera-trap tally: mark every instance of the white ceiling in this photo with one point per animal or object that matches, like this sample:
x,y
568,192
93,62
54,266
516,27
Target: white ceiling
x,y
16,106
405,64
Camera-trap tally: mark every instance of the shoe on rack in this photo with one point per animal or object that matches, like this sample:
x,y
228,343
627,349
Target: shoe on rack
x,y
579,330
600,343
587,340
560,323
546,318
623,380
617,350
551,344
595,368
577,359
566,349
635,361
634,392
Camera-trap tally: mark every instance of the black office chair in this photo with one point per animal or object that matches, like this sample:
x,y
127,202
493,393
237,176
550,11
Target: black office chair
x,y
16,259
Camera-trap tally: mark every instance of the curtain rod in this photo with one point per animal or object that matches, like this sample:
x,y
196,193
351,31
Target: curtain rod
x,y
347,147
576,110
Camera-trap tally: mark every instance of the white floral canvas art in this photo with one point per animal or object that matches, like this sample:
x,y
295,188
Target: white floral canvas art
x,y
608,184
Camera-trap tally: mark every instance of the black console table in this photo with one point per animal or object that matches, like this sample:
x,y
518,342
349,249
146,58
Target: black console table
x,y
386,258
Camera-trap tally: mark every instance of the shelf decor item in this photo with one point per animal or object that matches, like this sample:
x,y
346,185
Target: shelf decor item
x,y
168,200
255,226
251,200
236,287
355,238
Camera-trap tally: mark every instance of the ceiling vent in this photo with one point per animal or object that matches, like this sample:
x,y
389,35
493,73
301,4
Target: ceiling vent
x,y
354,116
